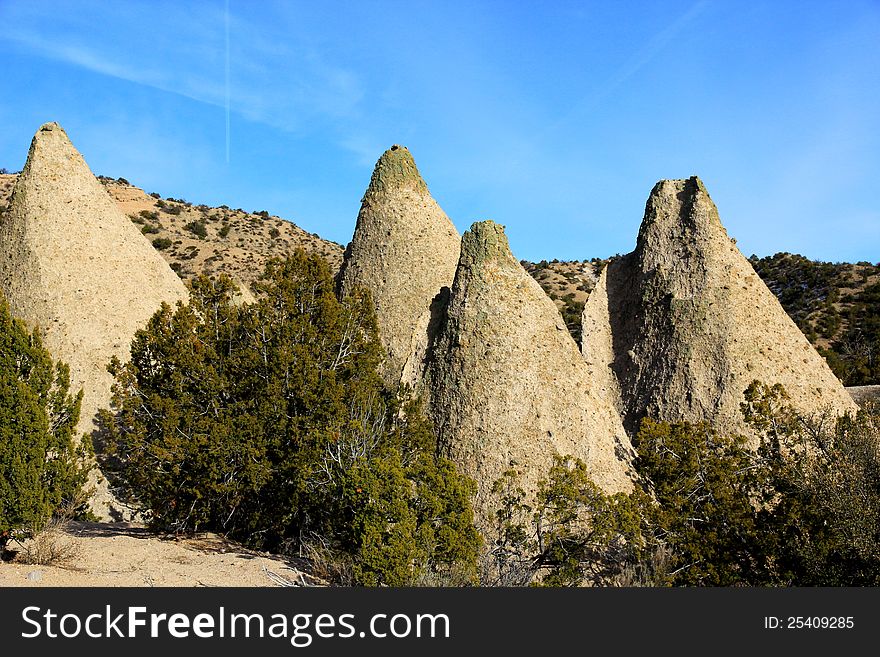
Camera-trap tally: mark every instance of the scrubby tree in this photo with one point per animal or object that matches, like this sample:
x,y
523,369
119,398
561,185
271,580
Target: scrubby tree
x,y
197,228
705,486
41,468
800,509
575,534
689,521
269,422
821,502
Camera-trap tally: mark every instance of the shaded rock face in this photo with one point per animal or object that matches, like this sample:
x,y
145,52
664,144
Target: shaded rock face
x,y
508,386
73,265
404,250
684,324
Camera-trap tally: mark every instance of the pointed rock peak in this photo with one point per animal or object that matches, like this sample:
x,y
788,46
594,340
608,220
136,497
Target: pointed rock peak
x,y
485,241
73,264
686,325
506,384
394,170
679,207
51,132
683,188
53,154
404,251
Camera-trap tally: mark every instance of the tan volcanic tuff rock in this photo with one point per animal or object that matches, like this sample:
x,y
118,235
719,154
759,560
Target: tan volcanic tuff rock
x,y
72,264
507,383
404,250
685,324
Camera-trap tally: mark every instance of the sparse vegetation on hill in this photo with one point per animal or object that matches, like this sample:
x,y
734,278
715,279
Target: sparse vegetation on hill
x,y
269,423
836,305
233,242
41,469
568,284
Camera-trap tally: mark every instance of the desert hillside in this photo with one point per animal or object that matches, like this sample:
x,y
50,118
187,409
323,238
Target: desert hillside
x,y
836,305
568,284
197,238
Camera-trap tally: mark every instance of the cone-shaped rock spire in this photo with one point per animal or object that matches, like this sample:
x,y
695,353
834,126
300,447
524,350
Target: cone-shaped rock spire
x,y
74,265
685,324
404,250
508,386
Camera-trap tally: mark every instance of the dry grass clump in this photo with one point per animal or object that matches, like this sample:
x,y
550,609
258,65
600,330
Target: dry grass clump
x,y
50,545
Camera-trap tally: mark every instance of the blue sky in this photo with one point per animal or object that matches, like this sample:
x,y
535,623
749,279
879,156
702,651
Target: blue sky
x,y
553,118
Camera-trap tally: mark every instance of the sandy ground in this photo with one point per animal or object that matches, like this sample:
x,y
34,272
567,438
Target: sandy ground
x,y
122,554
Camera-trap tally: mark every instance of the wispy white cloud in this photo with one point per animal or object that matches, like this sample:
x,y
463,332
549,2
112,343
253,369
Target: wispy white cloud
x,y
91,59
153,155
274,81
651,49
636,62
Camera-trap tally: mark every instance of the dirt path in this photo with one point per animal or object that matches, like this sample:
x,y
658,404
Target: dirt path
x,y
122,554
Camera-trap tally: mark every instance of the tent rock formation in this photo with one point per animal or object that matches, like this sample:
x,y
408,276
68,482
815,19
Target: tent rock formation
x,y
507,383
683,324
404,250
72,264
